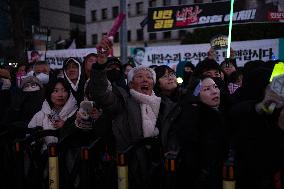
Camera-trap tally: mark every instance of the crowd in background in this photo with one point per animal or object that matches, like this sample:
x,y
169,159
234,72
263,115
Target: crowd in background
x,y
219,108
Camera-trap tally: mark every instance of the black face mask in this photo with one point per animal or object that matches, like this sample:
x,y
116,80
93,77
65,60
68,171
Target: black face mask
x,y
113,75
219,82
186,76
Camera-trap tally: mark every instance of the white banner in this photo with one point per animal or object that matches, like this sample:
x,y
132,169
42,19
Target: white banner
x,y
172,55
55,58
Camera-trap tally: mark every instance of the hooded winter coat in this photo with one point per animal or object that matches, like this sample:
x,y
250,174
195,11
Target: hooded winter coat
x,y
77,89
42,118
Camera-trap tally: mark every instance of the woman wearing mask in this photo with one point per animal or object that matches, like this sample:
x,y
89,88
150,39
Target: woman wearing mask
x,y
41,71
26,102
202,136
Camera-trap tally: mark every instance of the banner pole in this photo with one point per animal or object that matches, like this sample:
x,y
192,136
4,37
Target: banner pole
x,y
230,28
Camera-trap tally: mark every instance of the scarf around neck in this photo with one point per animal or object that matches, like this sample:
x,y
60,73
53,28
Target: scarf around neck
x,y
150,106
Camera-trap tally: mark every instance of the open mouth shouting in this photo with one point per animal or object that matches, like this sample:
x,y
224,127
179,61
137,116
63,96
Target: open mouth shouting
x,y
145,89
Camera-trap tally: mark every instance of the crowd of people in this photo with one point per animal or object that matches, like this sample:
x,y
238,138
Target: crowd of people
x,y
219,108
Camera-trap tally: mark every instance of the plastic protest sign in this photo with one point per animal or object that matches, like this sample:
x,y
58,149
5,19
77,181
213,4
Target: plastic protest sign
x,y
277,70
219,42
115,27
277,85
275,94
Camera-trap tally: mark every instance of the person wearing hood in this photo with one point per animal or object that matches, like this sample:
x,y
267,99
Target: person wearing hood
x,y
58,110
74,77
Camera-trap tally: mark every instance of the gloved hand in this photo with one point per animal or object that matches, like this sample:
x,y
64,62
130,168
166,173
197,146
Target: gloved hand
x,y
270,102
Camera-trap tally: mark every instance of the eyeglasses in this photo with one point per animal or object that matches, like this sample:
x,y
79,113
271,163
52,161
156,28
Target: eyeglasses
x,y
170,75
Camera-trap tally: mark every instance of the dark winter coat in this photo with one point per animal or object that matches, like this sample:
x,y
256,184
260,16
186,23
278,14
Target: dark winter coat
x,y
125,113
202,132
24,106
259,146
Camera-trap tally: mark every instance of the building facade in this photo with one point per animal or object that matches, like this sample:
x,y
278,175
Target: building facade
x,y
62,17
100,15
42,21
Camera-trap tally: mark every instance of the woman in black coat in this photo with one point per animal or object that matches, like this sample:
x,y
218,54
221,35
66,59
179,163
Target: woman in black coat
x,y
202,135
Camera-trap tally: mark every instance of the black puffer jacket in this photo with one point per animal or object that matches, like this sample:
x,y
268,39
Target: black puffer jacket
x,y
203,136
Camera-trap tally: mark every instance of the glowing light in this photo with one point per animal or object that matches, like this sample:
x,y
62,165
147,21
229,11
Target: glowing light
x,y
179,80
230,28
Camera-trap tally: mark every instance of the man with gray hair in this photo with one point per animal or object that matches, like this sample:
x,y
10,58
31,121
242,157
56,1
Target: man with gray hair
x,y
134,116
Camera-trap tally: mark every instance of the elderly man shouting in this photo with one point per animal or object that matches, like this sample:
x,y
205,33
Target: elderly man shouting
x,y
134,116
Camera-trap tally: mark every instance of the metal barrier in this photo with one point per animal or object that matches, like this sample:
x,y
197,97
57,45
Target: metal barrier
x,y
53,167
170,165
89,159
122,171
85,174
229,181
123,161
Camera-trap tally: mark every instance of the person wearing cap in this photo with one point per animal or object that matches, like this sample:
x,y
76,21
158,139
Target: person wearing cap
x,y
115,73
75,78
26,102
134,116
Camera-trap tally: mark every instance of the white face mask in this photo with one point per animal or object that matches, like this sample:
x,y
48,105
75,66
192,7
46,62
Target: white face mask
x,y
6,84
44,78
30,73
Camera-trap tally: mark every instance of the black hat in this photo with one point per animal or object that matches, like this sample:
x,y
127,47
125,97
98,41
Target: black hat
x,y
189,64
161,70
206,65
112,61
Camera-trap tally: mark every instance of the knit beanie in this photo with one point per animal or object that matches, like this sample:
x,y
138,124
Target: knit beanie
x,y
30,79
